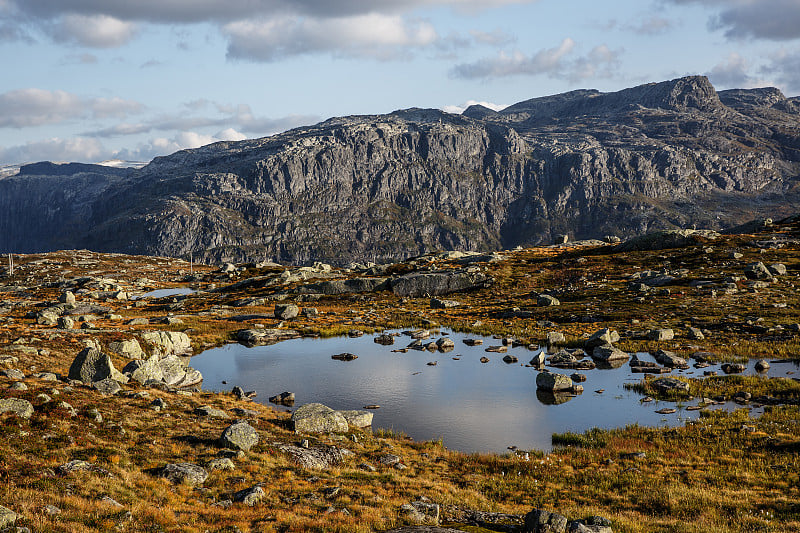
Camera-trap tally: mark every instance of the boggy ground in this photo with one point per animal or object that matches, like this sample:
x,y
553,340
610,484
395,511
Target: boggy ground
x,y
724,472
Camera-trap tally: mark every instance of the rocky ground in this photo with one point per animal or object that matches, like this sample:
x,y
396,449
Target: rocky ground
x,y
105,426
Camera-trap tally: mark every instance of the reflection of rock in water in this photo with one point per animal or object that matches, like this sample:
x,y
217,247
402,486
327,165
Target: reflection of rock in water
x,y
609,365
554,398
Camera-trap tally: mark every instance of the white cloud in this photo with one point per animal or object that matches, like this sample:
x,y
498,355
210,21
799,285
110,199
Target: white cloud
x,y
215,11
371,35
34,107
557,62
96,31
458,109
79,149
230,134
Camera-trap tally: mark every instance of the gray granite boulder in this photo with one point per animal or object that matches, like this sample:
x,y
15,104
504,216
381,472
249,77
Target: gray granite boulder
x,y
92,365
128,348
318,418
188,473
551,381
541,521
168,342
239,436
438,283
286,311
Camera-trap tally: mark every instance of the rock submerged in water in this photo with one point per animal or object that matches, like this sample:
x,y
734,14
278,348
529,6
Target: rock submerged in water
x,y
345,356
553,382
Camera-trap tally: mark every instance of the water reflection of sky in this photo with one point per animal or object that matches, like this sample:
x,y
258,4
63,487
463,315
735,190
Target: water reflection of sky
x,y
470,405
163,293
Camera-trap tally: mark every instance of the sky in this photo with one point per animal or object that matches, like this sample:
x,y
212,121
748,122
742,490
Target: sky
x,y
93,80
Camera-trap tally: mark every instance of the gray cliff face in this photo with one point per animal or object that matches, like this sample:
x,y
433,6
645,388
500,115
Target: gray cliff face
x,y
584,163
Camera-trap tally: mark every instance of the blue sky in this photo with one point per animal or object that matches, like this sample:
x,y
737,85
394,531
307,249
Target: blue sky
x,y
90,80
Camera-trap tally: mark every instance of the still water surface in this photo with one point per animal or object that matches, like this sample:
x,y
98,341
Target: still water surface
x,y
471,406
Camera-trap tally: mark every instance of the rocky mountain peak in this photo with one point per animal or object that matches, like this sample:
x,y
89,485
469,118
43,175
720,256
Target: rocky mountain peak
x,y
381,187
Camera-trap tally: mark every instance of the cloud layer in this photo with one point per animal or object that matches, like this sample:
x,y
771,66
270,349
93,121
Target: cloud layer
x,y
775,20
558,62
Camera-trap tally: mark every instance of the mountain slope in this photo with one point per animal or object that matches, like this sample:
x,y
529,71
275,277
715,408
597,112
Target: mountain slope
x,y
583,163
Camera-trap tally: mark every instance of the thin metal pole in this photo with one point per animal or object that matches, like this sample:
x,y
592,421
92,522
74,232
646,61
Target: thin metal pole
x,y
10,265
191,268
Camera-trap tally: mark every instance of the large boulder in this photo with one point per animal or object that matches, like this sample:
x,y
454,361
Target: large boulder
x,y
551,381
92,365
358,419
607,353
541,521
130,348
668,358
18,406
262,337
286,311
437,283
240,436
344,286
170,370
758,271
318,418
168,342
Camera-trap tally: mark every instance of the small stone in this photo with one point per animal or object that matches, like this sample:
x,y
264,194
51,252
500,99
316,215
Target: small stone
x,y
188,473
250,496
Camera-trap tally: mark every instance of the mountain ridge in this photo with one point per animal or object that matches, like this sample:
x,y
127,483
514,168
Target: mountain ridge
x,y
379,187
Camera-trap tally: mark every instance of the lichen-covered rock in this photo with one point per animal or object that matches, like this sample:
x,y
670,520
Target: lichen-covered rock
x,y
168,342
318,418
541,521
7,517
188,473
286,311
128,348
240,436
358,419
18,406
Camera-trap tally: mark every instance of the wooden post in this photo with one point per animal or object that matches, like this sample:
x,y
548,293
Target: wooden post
x,y
10,265
191,268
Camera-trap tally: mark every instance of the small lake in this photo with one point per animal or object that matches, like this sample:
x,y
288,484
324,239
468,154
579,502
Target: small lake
x,y
163,293
471,406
